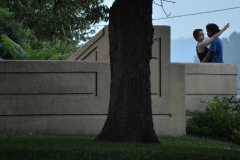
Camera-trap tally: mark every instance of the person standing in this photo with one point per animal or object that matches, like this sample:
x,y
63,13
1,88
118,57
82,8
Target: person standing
x,y
215,53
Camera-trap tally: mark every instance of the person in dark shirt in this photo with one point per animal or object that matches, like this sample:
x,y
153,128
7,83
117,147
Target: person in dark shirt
x,y
202,51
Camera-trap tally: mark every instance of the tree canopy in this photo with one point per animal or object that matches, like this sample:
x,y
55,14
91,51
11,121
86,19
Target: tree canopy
x,y
58,19
13,30
46,29
231,50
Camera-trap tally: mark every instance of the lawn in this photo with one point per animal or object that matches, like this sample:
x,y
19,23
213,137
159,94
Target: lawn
x,y
33,147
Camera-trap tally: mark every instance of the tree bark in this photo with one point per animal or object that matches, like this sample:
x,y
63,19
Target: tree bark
x,y
131,37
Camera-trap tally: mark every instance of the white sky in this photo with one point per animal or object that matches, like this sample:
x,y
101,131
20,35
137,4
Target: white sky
x,y
184,26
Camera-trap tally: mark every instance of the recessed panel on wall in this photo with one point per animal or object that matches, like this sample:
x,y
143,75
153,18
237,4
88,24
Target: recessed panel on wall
x,y
58,83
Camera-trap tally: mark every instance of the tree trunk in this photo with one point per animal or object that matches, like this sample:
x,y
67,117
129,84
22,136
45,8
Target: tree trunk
x,y
131,37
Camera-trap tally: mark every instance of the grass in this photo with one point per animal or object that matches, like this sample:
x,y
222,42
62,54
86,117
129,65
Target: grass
x,y
34,147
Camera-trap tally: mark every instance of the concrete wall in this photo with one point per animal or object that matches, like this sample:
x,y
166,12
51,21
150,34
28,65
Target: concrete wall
x,y
53,97
203,81
71,97
165,107
53,91
96,49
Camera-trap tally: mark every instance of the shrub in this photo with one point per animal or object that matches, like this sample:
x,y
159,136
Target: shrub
x,y
221,120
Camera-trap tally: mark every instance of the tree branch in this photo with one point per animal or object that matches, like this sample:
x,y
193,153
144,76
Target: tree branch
x,y
161,5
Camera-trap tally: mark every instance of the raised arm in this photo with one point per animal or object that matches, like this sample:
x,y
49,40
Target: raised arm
x,y
215,36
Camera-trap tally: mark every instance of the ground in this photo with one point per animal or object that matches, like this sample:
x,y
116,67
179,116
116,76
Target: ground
x,y
47,147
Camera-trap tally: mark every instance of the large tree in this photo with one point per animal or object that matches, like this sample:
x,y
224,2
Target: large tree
x,y
58,19
131,37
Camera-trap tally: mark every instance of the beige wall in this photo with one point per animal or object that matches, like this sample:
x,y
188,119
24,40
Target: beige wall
x,y
161,78
203,81
71,97
53,97
96,49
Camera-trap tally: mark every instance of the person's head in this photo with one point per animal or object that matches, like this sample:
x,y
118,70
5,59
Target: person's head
x,y
198,34
212,29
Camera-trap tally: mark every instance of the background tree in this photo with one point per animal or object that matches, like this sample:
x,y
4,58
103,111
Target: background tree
x,y
131,37
58,19
14,30
231,50
16,42
46,29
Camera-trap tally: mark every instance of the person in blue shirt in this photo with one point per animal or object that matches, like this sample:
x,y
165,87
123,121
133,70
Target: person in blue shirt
x,y
215,53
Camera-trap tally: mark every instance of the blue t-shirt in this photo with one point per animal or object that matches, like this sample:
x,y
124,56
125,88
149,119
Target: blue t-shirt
x,y
217,51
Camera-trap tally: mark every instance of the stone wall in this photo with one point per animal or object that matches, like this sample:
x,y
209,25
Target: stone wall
x,y
167,107
53,97
205,80
96,49
72,97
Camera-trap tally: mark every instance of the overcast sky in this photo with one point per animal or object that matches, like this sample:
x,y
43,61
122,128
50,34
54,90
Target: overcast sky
x,y
184,26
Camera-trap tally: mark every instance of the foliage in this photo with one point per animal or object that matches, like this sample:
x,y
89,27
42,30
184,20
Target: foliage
x,y
15,31
231,50
55,51
221,120
14,48
29,147
52,51
19,43
58,19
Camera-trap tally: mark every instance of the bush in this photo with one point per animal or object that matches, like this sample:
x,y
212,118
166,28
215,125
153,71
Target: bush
x,y
221,120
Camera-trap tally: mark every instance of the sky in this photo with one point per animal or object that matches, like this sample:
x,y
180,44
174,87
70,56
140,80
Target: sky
x,y
183,27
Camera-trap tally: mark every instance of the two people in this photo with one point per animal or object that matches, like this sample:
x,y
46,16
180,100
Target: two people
x,y
215,52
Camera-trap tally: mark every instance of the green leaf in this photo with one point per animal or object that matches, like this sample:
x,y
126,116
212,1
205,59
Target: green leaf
x,y
15,49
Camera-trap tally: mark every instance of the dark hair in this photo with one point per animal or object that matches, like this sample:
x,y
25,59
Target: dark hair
x,y
196,33
212,28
